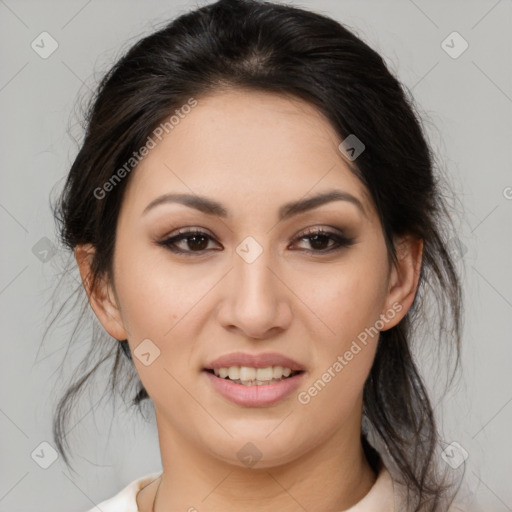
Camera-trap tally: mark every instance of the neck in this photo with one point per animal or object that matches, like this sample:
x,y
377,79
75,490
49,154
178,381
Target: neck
x,y
334,475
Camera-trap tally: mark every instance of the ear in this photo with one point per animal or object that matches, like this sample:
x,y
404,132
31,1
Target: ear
x,y
404,278
101,297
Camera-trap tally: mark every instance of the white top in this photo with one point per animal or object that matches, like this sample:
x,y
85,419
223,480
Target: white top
x,y
380,498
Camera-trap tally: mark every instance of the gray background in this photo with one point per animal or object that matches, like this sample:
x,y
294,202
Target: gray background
x,y
468,105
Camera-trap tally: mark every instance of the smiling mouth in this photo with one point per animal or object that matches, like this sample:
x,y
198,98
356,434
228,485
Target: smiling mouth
x,y
254,381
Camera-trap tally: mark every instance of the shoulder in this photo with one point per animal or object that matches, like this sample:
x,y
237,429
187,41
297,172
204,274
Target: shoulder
x,y
379,499
125,500
384,497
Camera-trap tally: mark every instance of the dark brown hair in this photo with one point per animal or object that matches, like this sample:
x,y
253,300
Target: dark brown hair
x,y
284,50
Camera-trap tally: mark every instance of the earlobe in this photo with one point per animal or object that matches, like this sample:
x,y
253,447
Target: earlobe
x,y
404,278
100,294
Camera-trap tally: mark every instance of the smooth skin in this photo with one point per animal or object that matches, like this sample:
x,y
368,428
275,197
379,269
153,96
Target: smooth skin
x,y
252,152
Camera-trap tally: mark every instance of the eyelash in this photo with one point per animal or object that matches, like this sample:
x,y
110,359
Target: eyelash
x,y
341,241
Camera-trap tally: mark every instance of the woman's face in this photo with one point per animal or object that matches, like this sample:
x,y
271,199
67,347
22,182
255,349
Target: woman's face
x,y
256,280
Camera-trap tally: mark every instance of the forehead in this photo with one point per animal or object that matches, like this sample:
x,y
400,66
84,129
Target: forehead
x,y
242,143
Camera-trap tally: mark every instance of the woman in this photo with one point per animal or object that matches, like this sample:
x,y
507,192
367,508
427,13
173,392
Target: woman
x,y
257,222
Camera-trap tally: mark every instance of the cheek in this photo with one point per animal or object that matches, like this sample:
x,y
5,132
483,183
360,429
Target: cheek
x,y
347,302
347,299
154,294
159,304
344,352
162,303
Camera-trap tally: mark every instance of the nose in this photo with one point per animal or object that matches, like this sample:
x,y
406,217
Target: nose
x,y
256,300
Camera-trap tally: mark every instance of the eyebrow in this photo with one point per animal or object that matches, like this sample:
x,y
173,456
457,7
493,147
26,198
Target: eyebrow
x,y
212,207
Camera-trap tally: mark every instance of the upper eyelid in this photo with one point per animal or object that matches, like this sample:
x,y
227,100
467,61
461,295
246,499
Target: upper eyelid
x,y
336,234
305,231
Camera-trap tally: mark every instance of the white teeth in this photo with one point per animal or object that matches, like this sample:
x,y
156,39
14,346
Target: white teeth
x,y
264,373
223,372
277,372
247,373
234,372
253,376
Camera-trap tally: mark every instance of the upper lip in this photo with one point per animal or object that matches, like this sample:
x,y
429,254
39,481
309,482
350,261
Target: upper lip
x,y
254,360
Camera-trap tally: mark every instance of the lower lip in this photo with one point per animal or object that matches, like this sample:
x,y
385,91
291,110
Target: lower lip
x,y
255,396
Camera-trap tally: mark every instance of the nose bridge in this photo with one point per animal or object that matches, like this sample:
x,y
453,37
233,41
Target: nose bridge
x,y
253,279
255,296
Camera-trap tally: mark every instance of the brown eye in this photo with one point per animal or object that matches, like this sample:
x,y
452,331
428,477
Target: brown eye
x,y
324,241
197,242
192,241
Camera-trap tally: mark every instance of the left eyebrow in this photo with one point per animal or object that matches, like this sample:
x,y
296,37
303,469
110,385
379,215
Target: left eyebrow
x,y
303,205
212,207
